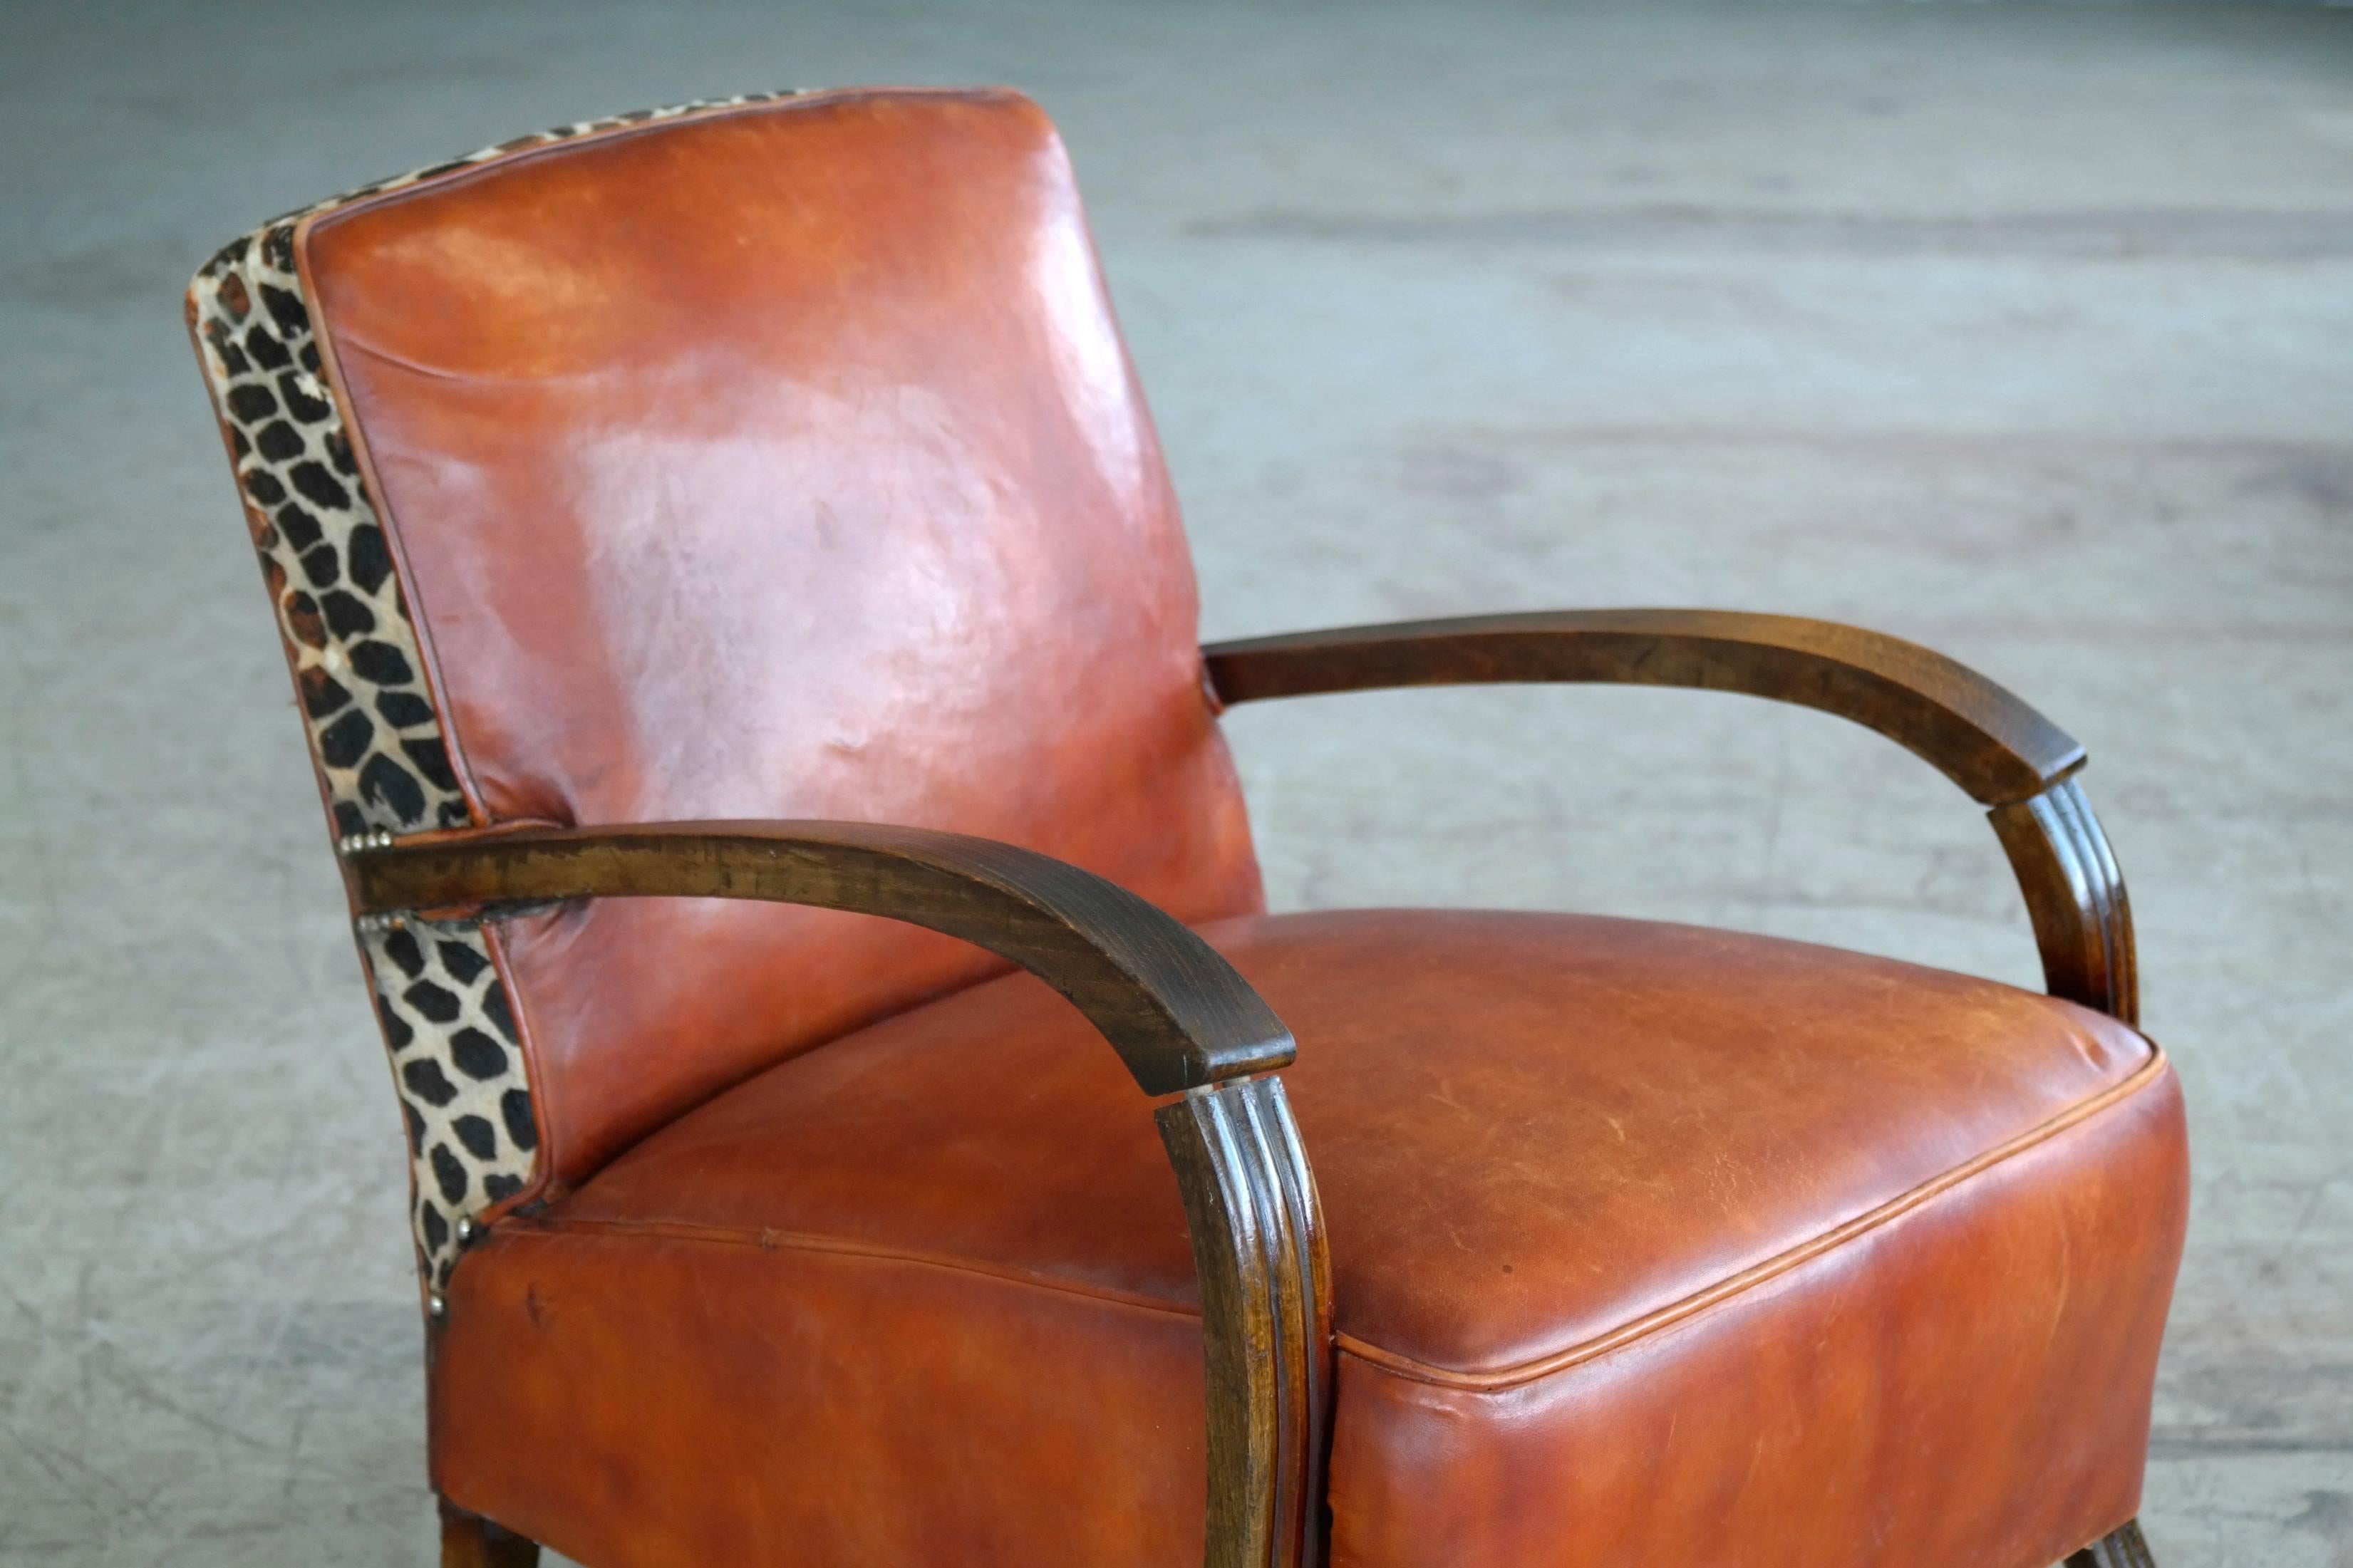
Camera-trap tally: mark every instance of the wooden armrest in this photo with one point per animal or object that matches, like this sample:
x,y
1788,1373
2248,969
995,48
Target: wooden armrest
x,y
2004,753
1174,1011
1976,734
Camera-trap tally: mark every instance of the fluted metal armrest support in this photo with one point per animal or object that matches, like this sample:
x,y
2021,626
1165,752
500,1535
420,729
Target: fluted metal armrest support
x,y
1173,1009
1995,746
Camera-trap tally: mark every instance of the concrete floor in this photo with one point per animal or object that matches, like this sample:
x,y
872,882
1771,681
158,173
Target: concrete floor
x,y
2027,334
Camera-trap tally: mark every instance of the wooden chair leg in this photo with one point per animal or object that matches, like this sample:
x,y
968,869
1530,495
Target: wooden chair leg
x,y
471,1541
2122,1548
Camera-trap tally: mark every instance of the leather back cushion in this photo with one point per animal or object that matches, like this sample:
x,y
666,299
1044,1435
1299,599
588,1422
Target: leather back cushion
x,y
780,462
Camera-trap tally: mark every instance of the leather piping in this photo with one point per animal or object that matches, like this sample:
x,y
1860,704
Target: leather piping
x,y
1756,1274
768,1240
331,369
1653,1321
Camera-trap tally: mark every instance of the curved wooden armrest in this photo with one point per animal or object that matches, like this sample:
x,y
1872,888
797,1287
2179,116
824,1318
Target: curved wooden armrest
x,y
1177,1012
2004,753
1976,734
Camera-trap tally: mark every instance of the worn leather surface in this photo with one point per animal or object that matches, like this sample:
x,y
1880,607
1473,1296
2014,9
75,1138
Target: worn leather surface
x,y
777,462
1650,1245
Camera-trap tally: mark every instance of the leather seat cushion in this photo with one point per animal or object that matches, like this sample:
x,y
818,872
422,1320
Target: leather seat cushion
x,y
1652,1245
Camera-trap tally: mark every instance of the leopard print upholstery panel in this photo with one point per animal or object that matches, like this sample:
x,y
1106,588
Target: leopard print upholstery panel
x,y
383,755
456,1064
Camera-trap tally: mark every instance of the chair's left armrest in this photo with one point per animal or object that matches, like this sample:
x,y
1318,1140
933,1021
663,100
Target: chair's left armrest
x,y
1175,1010
2003,753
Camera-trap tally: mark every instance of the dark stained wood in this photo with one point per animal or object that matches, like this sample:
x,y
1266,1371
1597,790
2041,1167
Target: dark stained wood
x,y
1178,1014
2075,897
2003,753
1176,1011
1182,1020
1265,1279
2122,1548
467,1541
1981,737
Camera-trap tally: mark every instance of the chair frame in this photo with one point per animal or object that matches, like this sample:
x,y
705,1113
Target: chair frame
x,y
1187,1025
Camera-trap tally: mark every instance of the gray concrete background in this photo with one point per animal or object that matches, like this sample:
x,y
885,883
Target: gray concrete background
x,y
2027,334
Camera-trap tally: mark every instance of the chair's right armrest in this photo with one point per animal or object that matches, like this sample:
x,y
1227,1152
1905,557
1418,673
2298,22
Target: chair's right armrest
x,y
1980,735
1176,1013
2001,749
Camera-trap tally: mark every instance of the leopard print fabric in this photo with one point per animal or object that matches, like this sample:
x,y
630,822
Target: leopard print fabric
x,y
357,669
376,736
457,1064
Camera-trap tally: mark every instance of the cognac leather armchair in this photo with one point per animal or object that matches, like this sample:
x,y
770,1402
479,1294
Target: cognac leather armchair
x,y
746,643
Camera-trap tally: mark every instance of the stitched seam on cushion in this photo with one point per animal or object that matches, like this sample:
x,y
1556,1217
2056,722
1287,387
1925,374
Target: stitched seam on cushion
x,y
767,1240
1740,1284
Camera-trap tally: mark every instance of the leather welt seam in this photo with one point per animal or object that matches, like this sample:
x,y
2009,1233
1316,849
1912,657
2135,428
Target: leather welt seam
x,y
1756,1274
768,1240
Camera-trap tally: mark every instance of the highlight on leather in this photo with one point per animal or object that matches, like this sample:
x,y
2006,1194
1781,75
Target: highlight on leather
x,y
377,742
761,1328
781,461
